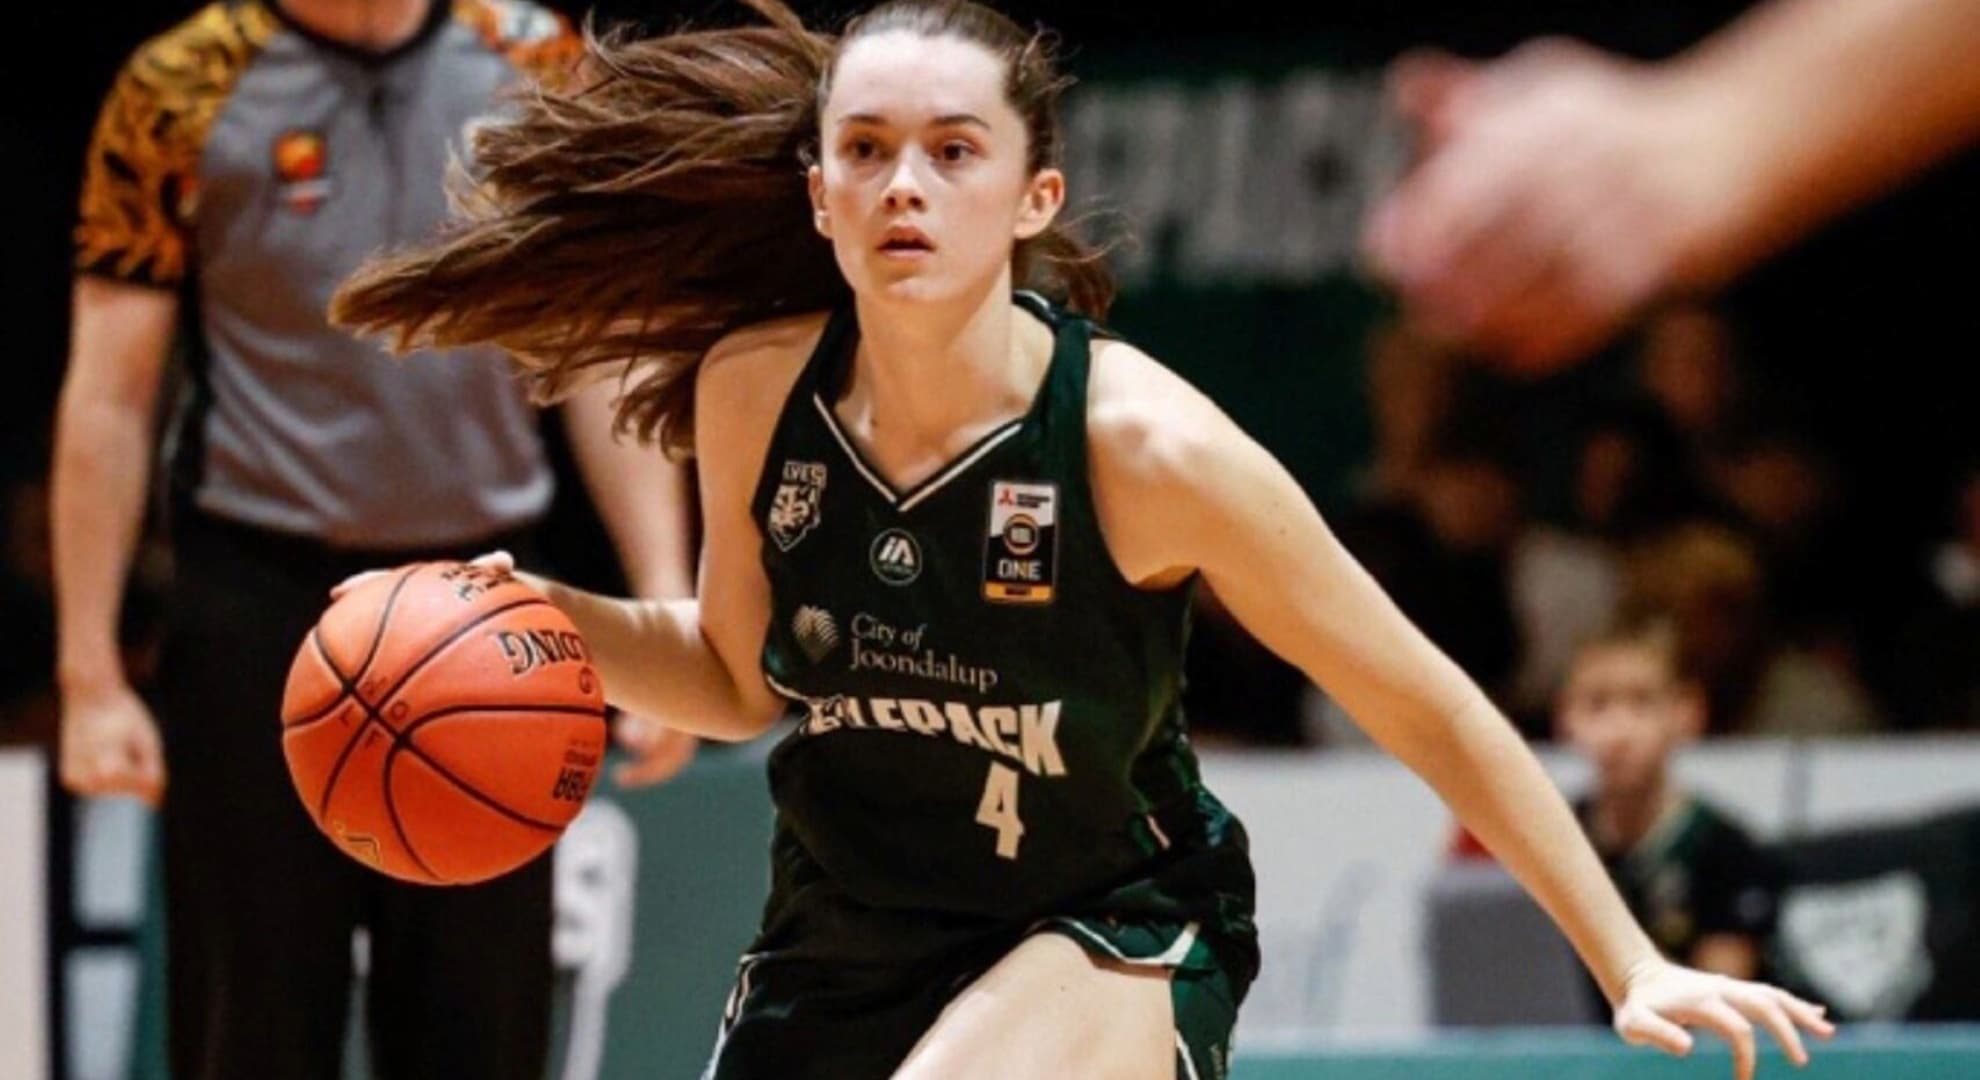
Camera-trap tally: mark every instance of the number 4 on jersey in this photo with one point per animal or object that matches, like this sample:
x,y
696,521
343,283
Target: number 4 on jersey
x,y
999,809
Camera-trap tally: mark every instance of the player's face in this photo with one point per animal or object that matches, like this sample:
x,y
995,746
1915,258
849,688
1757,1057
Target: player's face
x,y
922,178
1624,711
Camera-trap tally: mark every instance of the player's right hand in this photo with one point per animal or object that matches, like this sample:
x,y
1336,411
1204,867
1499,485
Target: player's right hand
x,y
109,743
501,562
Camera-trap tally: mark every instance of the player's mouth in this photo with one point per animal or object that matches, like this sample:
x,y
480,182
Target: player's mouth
x,y
906,242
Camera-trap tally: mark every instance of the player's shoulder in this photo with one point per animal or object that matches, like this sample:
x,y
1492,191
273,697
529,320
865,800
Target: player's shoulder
x,y
750,371
197,61
1145,420
534,39
772,350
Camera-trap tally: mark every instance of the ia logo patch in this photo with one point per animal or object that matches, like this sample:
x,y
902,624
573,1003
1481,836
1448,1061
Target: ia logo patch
x,y
896,557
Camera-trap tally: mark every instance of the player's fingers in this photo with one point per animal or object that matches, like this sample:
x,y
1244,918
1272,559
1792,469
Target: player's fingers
x,y
1732,1027
501,562
338,590
1758,1004
1643,1027
1806,1014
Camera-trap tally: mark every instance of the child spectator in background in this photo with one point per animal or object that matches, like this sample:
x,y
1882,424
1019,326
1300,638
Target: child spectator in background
x,y
1700,886
1691,875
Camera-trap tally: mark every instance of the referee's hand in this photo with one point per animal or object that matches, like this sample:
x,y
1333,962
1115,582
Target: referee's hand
x,y
109,743
659,752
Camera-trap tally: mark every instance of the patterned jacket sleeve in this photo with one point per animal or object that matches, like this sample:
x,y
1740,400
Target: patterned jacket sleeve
x,y
541,44
139,186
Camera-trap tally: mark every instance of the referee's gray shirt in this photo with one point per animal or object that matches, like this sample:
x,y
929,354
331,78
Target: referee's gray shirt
x,y
254,165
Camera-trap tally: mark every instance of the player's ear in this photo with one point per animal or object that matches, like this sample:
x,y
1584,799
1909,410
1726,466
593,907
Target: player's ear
x,y
1044,196
814,182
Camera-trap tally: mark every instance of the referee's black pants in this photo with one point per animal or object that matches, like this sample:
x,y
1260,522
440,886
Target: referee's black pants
x,y
260,906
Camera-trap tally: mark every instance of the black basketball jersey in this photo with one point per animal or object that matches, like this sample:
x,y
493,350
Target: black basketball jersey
x,y
988,730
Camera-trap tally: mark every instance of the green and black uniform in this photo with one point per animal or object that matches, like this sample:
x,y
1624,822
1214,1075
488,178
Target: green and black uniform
x,y
988,743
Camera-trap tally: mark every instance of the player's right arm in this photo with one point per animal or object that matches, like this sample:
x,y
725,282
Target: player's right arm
x,y
120,337
695,664
1181,489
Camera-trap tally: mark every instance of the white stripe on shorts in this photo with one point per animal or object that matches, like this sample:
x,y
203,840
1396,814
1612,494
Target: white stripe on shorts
x,y
1189,1063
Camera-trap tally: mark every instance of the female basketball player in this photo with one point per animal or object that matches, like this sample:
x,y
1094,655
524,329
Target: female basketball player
x,y
953,534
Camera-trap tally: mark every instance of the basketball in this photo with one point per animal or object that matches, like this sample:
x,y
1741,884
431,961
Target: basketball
x,y
443,723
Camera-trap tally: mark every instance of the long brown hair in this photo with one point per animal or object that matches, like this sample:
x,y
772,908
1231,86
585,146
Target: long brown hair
x,y
632,219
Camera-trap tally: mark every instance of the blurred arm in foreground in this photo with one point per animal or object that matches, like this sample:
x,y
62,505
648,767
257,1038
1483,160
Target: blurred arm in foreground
x,y
1560,189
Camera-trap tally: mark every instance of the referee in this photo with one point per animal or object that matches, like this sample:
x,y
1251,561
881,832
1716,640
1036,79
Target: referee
x,y
243,164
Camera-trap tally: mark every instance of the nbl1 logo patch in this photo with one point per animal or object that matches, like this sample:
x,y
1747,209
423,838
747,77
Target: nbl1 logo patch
x,y
1021,554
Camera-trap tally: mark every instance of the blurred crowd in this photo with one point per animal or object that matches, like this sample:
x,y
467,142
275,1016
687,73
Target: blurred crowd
x,y
1512,519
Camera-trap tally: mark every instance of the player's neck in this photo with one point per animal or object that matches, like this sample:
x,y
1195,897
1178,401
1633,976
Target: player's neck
x,y
371,25
1622,819
926,376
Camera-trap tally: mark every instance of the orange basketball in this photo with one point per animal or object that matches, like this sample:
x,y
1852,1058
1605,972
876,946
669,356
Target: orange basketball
x,y
443,723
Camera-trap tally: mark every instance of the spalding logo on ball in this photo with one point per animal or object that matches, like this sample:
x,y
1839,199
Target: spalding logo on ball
x,y
443,723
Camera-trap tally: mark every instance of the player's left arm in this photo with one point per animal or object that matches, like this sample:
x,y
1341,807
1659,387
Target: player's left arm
x,y
646,503
1180,488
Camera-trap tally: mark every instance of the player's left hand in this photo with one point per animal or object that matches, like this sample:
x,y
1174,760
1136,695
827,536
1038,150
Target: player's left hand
x,y
1661,1000
659,751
